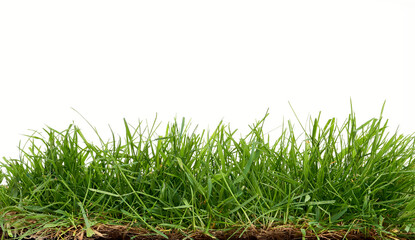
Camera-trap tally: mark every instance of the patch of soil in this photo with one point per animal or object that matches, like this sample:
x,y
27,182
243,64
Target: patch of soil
x,y
115,232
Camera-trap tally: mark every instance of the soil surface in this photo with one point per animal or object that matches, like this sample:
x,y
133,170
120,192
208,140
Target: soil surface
x,y
113,232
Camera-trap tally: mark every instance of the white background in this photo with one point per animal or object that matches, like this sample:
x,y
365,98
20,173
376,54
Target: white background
x,y
203,60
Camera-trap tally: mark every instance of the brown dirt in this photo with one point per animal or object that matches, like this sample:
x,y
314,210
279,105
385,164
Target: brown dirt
x,y
112,232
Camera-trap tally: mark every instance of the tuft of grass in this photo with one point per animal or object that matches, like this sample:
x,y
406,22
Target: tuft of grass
x,y
334,177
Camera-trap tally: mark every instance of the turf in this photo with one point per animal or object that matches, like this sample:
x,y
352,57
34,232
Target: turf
x,y
337,177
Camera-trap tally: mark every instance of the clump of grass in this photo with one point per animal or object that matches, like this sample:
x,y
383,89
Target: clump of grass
x,y
333,177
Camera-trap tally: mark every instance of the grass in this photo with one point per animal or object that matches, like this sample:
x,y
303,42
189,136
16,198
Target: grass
x,y
340,177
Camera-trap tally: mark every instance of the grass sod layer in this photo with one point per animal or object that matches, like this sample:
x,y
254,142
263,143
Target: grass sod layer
x,y
333,181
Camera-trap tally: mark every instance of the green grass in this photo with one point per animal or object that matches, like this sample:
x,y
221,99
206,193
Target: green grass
x,y
331,177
